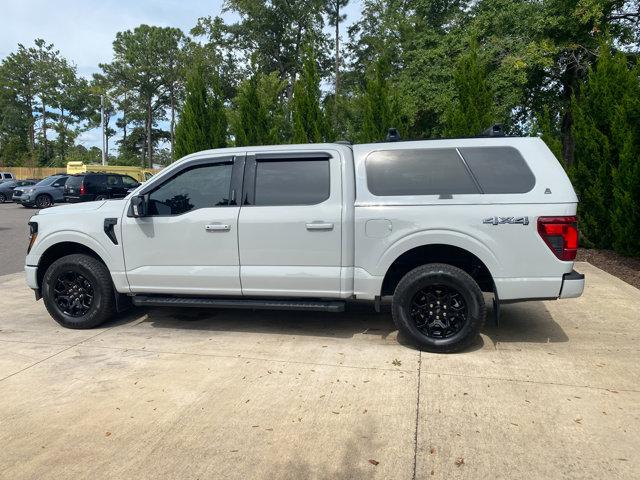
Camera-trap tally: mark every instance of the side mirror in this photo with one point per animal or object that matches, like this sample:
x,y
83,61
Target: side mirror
x,y
139,206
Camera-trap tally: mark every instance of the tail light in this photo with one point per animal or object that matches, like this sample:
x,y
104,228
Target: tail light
x,y
561,235
82,189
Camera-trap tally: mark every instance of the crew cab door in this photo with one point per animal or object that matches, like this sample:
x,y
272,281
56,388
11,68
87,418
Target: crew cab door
x,y
290,226
188,243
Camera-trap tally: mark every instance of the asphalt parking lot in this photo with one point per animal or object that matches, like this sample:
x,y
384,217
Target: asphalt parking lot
x,y
554,392
14,236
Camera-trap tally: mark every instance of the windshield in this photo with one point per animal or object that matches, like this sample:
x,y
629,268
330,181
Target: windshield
x,y
47,181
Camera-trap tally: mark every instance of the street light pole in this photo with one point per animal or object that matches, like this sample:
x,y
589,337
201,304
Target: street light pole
x,y
104,136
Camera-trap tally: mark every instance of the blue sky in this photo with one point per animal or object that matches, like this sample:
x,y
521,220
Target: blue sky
x,y
83,30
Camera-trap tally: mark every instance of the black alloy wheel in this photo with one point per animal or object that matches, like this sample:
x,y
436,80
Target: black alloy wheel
x,y
78,292
438,311
73,294
439,308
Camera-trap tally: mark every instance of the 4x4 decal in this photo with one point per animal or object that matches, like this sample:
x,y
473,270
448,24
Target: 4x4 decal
x,y
507,220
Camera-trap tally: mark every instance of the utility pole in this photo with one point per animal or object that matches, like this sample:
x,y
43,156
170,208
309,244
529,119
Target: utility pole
x,y
104,133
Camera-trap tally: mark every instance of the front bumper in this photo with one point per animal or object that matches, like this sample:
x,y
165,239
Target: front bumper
x,y
31,274
572,285
24,200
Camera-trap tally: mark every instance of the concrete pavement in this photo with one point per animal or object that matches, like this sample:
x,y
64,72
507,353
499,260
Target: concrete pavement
x,y
14,236
553,393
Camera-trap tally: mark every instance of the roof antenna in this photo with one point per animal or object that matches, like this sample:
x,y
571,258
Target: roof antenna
x,y
494,130
393,135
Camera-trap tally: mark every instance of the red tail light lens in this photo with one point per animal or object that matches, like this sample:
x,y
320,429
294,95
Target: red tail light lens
x,y
82,190
561,235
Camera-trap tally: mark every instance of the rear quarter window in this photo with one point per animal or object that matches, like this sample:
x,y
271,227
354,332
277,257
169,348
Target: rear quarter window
x,y
499,169
433,171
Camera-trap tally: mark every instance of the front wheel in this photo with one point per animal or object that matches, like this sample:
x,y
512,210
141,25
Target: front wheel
x,y
439,307
78,292
3,198
44,201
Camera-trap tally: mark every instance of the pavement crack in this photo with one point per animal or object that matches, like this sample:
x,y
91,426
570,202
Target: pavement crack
x,y
415,434
535,382
55,354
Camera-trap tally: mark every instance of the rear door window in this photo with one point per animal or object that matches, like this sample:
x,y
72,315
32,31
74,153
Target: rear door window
x,y
434,171
60,182
114,181
291,182
499,169
74,182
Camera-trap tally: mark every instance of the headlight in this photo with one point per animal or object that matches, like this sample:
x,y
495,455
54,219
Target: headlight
x,y
33,234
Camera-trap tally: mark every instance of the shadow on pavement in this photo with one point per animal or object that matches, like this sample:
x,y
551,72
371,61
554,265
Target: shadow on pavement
x,y
357,319
528,322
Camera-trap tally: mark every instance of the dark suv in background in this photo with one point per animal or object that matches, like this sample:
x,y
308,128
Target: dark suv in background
x,y
86,187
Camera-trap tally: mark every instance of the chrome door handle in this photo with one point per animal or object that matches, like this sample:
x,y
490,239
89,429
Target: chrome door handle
x,y
217,227
319,226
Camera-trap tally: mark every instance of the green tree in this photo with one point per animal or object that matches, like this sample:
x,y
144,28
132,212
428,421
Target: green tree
x,y
605,124
258,117
379,112
202,123
144,61
308,119
473,110
334,11
271,34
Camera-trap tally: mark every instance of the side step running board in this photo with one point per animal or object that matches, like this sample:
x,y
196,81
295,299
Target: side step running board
x,y
304,305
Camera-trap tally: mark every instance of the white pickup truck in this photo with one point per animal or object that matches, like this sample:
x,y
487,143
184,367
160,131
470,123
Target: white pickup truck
x,y
432,224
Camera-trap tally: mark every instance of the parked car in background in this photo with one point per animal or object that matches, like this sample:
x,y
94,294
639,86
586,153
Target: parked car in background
x,y
43,194
7,187
5,176
87,187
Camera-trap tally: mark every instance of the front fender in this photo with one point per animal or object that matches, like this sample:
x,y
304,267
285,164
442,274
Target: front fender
x,y
51,239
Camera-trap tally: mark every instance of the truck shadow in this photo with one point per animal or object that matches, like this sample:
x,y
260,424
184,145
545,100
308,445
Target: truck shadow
x,y
528,322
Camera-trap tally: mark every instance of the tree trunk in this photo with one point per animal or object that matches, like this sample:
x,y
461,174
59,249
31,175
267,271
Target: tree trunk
x,y
149,127
44,129
570,82
124,120
32,130
173,117
337,92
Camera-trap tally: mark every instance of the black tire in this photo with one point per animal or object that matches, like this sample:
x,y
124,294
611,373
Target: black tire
x,y
3,198
415,310
101,197
44,201
73,313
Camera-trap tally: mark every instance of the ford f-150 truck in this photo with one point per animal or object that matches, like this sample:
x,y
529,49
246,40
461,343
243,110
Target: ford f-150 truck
x,y
431,224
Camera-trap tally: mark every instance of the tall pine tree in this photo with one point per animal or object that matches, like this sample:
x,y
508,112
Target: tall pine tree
x,y
605,169
378,108
202,124
309,124
474,111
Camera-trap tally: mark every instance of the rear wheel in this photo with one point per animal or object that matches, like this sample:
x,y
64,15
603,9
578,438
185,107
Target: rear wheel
x,y
78,292
44,201
101,197
439,307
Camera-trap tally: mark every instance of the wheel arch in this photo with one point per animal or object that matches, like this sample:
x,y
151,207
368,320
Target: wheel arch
x,y
453,248
61,249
